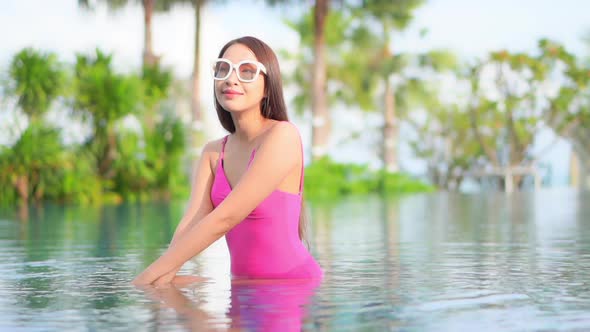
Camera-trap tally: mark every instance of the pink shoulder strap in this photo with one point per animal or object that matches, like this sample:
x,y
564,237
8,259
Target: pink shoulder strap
x,y
223,147
302,167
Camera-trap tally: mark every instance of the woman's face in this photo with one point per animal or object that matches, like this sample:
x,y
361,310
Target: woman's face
x,y
234,95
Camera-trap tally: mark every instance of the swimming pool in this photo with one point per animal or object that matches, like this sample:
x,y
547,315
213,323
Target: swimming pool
x,y
435,262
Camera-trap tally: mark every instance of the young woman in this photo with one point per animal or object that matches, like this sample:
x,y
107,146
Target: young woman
x,y
248,185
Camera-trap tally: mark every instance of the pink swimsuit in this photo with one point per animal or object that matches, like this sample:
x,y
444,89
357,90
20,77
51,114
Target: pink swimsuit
x,y
266,244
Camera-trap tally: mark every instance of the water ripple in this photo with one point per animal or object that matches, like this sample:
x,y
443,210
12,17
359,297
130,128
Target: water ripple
x,y
438,262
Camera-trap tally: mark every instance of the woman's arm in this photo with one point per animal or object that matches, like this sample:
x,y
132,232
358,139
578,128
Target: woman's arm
x,y
278,155
199,204
202,180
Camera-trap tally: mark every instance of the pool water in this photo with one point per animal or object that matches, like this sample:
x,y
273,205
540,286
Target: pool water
x,y
434,262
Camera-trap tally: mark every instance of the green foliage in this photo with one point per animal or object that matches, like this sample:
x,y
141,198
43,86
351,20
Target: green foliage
x,y
446,143
569,111
37,80
357,57
399,183
132,175
439,59
106,95
164,151
80,183
30,166
151,166
326,179
369,60
114,164
337,26
336,30
38,168
507,126
157,83
116,5
393,14
499,129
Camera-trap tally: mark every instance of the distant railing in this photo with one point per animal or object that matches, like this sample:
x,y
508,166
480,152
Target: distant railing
x,y
508,173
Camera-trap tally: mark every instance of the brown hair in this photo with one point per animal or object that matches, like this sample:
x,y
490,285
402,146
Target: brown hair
x,y
272,106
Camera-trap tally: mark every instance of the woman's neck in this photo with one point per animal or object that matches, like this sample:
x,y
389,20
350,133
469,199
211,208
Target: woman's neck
x,y
249,125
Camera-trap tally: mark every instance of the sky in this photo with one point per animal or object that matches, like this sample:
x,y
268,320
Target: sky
x,y
468,27
471,28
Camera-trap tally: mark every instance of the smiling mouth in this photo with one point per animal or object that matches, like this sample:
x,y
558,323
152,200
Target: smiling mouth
x,y
231,92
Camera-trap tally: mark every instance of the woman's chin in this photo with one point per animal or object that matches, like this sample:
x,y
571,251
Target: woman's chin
x,y
232,109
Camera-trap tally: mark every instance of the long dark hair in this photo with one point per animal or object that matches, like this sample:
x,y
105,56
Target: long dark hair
x,y
272,106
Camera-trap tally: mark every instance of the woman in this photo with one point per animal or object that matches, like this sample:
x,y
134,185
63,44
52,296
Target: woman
x,y
248,185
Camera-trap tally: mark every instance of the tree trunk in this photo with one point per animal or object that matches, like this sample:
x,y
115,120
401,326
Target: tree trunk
x,y
320,134
197,134
21,184
390,131
149,59
585,174
195,96
107,154
581,161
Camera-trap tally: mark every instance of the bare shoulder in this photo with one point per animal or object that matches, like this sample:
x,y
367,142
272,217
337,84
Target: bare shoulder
x,y
284,134
213,146
211,152
281,146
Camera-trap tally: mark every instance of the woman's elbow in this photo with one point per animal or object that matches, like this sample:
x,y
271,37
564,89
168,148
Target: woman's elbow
x,y
226,223
222,220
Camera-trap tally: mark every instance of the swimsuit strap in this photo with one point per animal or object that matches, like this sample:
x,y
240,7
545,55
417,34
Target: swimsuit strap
x,y
223,147
251,158
302,164
301,177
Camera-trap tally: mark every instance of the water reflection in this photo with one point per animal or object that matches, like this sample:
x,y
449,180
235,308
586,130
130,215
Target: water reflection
x,y
426,262
279,305
255,305
450,260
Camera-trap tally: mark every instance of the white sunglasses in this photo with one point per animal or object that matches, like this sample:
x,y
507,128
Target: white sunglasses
x,y
247,70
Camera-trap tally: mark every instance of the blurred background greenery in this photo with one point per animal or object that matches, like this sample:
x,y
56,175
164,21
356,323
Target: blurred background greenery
x,y
141,136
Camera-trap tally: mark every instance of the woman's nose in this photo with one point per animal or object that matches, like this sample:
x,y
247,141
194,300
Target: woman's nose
x,y
233,76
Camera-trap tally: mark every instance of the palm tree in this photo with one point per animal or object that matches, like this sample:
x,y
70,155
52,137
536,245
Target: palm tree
x,y
149,58
149,7
321,127
321,118
196,111
108,97
390,15
36,80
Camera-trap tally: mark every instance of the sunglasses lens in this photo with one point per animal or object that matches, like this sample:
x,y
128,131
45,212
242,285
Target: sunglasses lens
x,y
247,71
221,69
